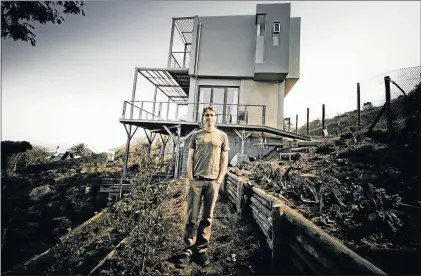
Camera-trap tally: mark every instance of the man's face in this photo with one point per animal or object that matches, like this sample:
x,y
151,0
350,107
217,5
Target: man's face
x,y
209,118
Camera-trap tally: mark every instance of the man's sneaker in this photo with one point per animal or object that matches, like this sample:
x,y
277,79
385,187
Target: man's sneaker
x,y
203,259
184,260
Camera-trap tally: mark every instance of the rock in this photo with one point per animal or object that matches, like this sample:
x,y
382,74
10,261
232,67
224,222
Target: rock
x,y
39,192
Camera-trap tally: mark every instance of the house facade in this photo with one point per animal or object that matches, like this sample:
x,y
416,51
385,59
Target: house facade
x,y
243,65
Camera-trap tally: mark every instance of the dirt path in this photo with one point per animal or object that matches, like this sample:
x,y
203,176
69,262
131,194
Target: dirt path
x,y
235,247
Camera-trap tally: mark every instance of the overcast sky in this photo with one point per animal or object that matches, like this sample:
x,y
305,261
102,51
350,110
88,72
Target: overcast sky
x,y
70,88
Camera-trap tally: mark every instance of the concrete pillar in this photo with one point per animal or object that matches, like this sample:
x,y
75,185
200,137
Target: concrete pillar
x,y
281,93
193,94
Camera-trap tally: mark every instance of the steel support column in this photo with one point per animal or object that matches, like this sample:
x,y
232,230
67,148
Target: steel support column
x,y
171,42
126,156
177,142
151,138
243,136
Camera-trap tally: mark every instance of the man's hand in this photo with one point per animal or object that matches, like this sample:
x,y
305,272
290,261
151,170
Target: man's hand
x,y
190,164
224,167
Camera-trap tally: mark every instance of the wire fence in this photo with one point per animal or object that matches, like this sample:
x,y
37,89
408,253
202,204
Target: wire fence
x,y
381,104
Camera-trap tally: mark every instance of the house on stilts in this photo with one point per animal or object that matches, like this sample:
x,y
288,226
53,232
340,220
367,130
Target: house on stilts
x,y
243,65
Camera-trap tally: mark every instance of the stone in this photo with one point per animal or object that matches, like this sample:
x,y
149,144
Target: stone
x,y
40,192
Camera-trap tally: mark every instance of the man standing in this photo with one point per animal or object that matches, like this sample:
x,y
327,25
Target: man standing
x,y
206,168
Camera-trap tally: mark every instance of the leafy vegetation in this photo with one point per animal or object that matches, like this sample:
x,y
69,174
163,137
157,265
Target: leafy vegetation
x,y
16,16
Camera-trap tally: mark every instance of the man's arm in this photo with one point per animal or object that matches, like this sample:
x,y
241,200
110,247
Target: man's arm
x,y
190,164
224,167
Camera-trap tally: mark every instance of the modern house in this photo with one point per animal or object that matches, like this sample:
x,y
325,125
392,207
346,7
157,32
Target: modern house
x,y
243,65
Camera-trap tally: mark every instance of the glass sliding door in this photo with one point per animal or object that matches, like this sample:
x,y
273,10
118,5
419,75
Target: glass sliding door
x,y
223,99
205,97
232,105
218,102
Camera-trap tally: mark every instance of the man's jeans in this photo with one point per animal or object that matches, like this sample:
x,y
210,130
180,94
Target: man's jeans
x,y
197,189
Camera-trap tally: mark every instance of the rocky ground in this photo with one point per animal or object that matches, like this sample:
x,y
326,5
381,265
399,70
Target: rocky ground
x,y
39,207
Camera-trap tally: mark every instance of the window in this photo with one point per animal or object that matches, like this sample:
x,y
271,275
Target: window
x,y
261,24
260,38
276,28
276,33
225,101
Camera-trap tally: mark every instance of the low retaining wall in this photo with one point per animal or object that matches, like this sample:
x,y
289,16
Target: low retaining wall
x,y
293,238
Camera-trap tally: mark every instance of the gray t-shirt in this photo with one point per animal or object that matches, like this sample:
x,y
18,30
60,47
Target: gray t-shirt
x,y
208,147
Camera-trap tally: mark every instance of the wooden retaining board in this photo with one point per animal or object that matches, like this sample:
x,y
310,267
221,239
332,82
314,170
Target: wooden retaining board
x,y
306,245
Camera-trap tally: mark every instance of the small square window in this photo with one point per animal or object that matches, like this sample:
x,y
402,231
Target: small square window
x,y
276,28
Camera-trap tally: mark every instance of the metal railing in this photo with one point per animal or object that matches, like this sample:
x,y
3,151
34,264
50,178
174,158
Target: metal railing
x,y
178,112
180,60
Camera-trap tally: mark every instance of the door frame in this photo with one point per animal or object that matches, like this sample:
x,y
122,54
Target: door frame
x,y
225,98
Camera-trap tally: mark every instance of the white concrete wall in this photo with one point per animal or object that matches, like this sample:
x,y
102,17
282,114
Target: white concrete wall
x,y
260,93
251,93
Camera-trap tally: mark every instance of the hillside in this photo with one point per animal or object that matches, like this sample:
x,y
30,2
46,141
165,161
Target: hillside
x,y
128,238
348,121
363,189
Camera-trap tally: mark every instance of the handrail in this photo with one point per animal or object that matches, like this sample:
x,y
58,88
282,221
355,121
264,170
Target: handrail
x,y
187,103
142,109
239,113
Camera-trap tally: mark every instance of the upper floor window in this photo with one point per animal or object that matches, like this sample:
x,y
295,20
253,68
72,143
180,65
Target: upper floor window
x,y
276,33
261,24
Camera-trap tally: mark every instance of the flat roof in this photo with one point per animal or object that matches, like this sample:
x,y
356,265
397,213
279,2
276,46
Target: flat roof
x,y
173,82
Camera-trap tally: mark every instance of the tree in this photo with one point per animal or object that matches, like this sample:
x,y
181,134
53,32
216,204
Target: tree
x,y
367,105
15,16
80,149
35,156
8,148
12,162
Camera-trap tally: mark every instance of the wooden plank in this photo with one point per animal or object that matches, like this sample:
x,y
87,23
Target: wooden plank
x,y
263,223
97,216
317,254
232,183
262,201
240,194
305,149
266,196
262,226
338,252
307,259
277,236
231,196
232,190
260,207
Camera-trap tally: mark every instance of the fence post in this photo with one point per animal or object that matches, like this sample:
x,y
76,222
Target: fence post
x,y
240,194
289,124
296,123
388,107
277,248
308,116
323,120
359,105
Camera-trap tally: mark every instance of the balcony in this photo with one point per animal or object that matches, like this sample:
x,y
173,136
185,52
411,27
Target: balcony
x,y
180,45
180,60
227,114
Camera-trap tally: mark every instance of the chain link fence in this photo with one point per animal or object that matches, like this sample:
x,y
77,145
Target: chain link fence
x,y
381,104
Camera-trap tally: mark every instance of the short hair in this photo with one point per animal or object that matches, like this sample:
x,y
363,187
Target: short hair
x,y
210,108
